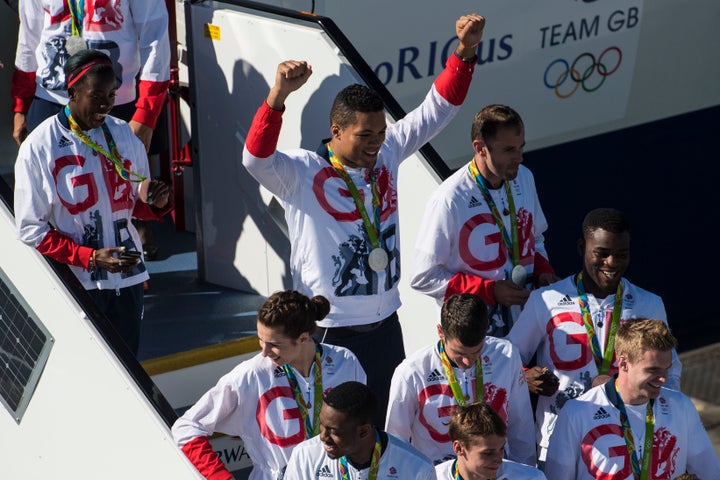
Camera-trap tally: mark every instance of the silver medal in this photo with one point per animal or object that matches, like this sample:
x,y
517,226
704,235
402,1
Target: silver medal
x,y
75,44
378,259
518,275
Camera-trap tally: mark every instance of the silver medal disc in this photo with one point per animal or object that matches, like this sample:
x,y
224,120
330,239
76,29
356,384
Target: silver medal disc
x,y
518,275
378,259
75,44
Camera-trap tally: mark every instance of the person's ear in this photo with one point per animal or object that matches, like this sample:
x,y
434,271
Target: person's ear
x,y
479,147
581,247
440,332
458,448
335,130
622,362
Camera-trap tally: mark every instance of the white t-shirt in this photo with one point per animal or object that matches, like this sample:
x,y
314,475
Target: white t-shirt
x,y
509,470
398,461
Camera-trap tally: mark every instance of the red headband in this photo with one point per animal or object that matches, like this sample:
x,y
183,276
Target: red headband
x,y
78,73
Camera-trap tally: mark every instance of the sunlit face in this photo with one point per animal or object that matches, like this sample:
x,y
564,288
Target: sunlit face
x,y
499,159
606,256
358,144
341,435
643,378
278,347
91,100
482,459
463,356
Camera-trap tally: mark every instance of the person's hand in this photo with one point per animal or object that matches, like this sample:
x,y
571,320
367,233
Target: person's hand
x,y
19,128
469,30
106,259
507,293
290,76
143,132
545,279
158,194
541,381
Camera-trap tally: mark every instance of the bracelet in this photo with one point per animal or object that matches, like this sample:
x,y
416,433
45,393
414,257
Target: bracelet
x,y
466,60
93,260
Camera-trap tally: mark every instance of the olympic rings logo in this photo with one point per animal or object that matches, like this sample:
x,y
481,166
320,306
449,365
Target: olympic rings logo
x,y
560,71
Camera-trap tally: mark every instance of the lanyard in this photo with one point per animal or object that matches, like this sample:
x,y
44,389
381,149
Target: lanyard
x,y
374,463
456,472
113,155
311,428
77,10
640,472
511,245
371,227
602,360
454,385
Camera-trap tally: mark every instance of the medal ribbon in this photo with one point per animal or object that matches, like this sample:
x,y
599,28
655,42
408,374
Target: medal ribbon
x,y
454,385
374,462
77,10
603,360
511,245
640,472
113,155
371,227
311,428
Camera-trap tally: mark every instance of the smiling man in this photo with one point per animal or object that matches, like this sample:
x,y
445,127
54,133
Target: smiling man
x,y
632,426
464,366
341,202
350,446
571,325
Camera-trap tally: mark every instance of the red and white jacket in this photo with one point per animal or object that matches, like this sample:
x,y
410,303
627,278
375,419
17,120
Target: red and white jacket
x,y
255,402
588,442
329,244
133,33
421,400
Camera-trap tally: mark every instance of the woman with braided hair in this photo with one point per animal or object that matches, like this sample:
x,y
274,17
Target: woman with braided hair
x,y
271,401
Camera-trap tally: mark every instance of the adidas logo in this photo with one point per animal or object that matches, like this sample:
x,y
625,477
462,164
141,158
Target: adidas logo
x,y
600,414
323,471
473,202
278,372
64,142
435,376
565,301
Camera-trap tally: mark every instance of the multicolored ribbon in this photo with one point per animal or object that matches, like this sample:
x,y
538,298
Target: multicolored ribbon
x,y
640,472
511,245
113,155
77,11
603,360
374,462
371,227
454,385
311,427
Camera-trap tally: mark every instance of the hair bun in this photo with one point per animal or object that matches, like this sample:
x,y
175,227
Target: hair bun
x,y
322,306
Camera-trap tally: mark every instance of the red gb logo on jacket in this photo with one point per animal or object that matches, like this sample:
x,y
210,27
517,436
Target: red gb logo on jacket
x,y
103,15
609,441
277,415
334,197
439,410
481,232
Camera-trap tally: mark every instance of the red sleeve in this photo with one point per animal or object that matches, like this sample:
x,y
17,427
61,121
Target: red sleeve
x,y
63,249
467,283
200,453
22,90
542,265
151,99
453,82
264,131
144,211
